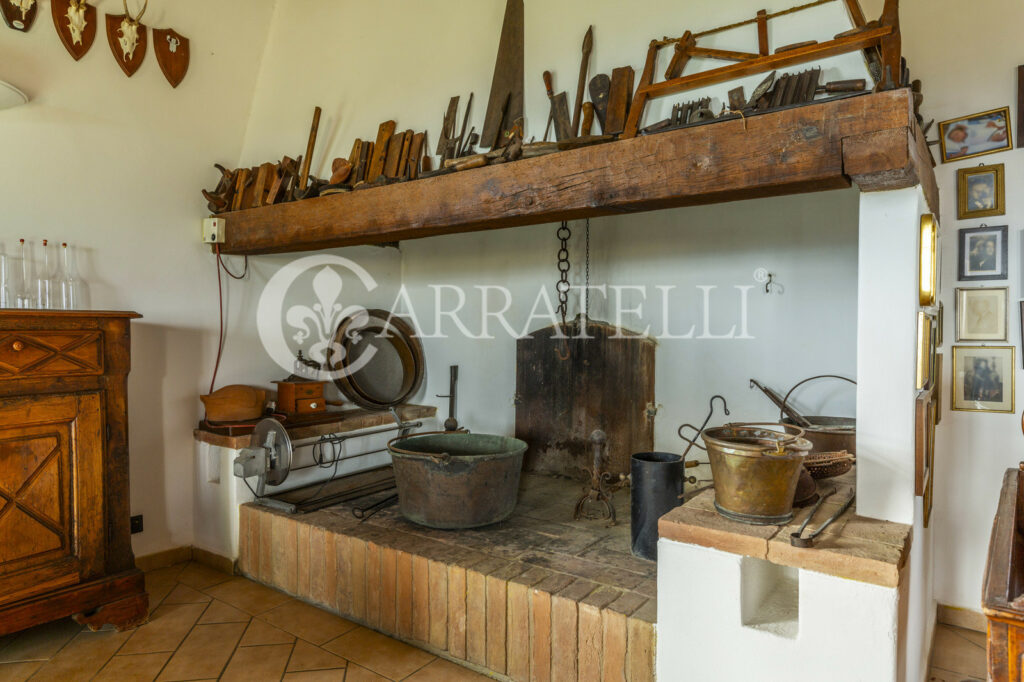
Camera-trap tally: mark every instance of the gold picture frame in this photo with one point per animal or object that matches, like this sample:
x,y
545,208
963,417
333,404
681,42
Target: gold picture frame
x,y
991,393
981,192
927,265
981,314
974,133
925,350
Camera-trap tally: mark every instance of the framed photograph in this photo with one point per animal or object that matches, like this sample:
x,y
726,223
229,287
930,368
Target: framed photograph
x,y
981,314
925,350
940,321
981,253
938,387
927,260
983,378
985,133
980,192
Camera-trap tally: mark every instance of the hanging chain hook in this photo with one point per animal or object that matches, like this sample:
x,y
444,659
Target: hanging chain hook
x,y
711,412
562,286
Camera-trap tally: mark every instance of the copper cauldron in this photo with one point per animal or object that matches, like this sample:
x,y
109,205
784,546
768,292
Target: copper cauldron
x,y
756,468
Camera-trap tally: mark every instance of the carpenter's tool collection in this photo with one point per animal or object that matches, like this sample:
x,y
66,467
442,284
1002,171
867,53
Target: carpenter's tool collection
x,y
615,110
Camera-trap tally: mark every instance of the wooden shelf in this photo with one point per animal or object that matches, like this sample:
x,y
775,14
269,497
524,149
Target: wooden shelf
x,y
872,140
341,421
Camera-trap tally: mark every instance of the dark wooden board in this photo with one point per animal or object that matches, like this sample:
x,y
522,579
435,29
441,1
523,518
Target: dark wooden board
x,y
604,383
619,96
786,152
505,103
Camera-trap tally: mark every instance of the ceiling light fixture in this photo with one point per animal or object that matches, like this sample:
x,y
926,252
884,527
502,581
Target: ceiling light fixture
x,y
11,96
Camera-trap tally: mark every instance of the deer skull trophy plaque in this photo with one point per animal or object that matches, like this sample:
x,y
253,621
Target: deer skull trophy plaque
x,y
75,21
19,14
127,38
172,53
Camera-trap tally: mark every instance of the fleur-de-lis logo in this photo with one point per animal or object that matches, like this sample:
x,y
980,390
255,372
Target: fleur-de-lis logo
x,y
311,326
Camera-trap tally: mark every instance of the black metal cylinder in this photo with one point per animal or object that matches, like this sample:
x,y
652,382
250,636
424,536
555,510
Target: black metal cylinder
x,y
657,484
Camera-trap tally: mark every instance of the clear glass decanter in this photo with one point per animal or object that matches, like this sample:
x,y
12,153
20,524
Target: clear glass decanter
x,y
46,290
7,297
72,288
25,296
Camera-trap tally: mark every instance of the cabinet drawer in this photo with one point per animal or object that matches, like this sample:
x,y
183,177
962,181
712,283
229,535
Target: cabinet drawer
x,y
25,354
313,389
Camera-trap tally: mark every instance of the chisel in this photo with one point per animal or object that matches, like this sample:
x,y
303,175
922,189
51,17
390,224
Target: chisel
x,y
588,46
551,109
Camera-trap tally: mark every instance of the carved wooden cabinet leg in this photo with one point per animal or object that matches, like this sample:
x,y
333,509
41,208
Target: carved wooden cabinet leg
x,y
123,614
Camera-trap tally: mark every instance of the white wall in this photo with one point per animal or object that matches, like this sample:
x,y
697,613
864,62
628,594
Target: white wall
x,y
113,166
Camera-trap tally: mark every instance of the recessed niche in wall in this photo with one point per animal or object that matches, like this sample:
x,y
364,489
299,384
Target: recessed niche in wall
x,y
770,597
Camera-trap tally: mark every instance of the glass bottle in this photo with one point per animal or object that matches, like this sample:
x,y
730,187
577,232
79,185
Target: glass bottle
x,y
7,297
45,289
25,297
72,289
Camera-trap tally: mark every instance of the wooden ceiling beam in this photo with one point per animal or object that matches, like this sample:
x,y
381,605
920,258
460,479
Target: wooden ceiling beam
x,y
816,147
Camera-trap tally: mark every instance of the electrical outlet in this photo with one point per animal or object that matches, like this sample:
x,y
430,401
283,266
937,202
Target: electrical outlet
x,y
213,230
136,524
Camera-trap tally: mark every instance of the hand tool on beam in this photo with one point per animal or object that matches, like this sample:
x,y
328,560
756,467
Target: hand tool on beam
x,y
581,84
380,150
551,103
505,103
448,126
308,159
618,100
599,87
587,124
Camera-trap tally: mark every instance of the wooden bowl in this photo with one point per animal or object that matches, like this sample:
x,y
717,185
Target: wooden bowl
x,y
234,403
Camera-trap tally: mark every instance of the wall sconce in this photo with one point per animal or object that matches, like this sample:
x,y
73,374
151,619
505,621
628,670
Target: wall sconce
x,y
11,96
929,230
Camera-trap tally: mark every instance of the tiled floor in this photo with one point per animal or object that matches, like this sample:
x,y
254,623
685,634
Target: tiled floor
x,y
958,655
209,625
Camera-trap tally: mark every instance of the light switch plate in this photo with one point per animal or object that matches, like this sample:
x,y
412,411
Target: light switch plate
x,y
213,230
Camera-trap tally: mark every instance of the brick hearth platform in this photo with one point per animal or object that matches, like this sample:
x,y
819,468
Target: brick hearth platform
x,y
537,597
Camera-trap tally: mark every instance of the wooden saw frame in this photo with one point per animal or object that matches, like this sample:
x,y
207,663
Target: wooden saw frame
x,y
882,35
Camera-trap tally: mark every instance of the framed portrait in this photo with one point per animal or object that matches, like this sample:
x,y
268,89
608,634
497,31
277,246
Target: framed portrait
x,y
980,192
981,253
940,321
924,437
927,258
985,133
981,314
983,378
938,387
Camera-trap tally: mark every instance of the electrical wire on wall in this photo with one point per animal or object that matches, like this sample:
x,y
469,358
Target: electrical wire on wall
x,y
221,335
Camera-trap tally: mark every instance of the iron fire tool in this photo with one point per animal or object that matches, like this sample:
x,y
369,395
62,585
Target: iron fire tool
x,y
796,540
692,480
602,485
451,423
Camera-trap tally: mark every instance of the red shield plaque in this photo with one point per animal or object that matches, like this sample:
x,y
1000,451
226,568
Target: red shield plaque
x,y
75,22
172,53
129,60
19,14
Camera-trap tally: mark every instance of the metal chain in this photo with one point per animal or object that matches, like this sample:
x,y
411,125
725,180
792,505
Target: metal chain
x,y
586,291
562,286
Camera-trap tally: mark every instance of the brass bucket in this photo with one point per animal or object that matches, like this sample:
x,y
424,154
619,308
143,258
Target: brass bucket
x,y
756,468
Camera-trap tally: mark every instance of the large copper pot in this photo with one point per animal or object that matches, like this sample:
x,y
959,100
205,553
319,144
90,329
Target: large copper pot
x,y
756,468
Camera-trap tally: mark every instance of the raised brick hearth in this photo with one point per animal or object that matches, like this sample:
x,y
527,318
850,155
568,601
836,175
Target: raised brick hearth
x,y
538,597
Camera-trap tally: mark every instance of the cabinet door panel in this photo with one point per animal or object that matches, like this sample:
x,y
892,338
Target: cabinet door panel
x,y
51,493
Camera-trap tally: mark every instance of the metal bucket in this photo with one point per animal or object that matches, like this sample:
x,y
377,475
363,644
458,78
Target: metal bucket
x,y
756,468
657,488
456,480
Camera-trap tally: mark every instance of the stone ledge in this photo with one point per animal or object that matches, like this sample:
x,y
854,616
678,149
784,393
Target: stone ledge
x,y
853,547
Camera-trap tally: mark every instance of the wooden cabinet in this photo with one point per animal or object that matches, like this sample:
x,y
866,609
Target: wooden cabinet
x,y
65,546
1003,591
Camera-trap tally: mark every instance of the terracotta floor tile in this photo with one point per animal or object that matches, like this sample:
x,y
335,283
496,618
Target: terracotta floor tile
x,y
204,653
380,654
441,670
260,633
358,674
954,653
83,657
257,664
219,612
306,656
183,594
244,594
308,622
41,642
140,668
336,675
18,672
165,630
161,581
200,577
